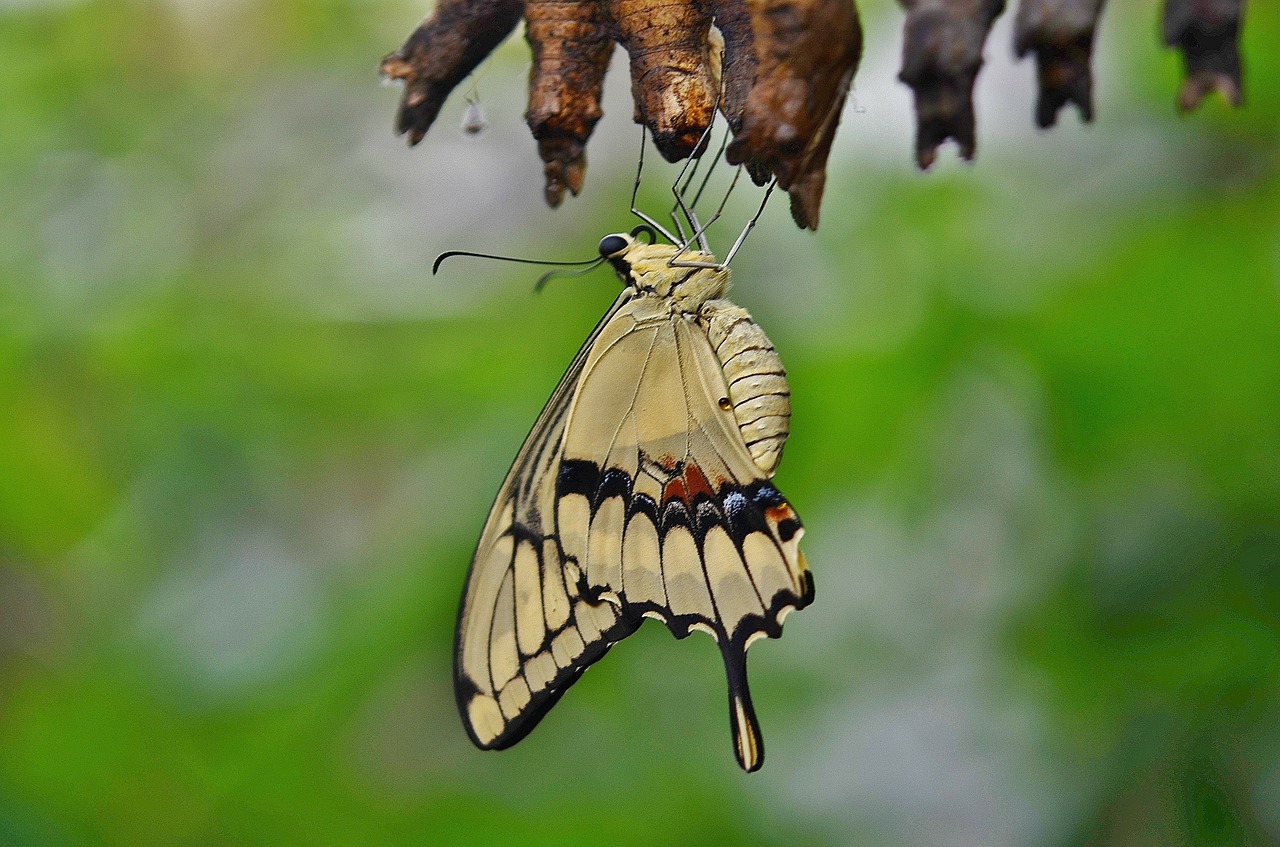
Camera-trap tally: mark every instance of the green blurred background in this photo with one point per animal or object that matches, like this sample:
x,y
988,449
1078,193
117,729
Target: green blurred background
x,y
247,442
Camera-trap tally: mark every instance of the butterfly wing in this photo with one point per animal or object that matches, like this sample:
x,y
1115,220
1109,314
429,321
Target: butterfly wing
x,y
525,633
660,509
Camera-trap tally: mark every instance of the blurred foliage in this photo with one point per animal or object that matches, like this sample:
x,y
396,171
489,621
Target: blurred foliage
x,y
247,441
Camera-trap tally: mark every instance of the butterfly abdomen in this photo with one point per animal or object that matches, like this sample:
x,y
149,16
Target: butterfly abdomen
x,y
758,391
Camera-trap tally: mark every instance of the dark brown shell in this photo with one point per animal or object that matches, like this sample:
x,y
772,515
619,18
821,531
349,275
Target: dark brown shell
x,y
780,70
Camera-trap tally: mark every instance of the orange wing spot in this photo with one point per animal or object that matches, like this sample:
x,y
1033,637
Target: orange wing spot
x,y
780,513
688,486
696,482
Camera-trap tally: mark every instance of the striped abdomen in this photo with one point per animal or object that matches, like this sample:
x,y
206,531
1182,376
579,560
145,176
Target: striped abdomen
x,y
758,389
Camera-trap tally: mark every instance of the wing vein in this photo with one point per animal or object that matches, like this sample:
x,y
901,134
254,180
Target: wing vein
x,y
627,416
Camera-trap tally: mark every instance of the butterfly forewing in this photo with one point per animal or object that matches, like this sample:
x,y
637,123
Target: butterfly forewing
x,y
524,634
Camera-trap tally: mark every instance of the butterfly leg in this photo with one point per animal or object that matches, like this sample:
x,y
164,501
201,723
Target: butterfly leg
x,y
635,190
682,191
724,144
687,174
741,236
751,224
704,227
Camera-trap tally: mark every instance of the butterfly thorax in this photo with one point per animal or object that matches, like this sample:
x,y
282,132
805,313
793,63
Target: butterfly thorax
x,y
649,269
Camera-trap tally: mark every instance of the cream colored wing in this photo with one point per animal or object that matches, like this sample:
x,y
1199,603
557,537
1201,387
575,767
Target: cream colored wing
x,y
524,632
662,511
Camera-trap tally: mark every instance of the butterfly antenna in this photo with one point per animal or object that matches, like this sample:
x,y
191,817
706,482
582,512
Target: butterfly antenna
x,y
449,254
635,190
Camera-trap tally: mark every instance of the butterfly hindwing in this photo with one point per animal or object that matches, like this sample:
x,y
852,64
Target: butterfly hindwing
x,y
661,509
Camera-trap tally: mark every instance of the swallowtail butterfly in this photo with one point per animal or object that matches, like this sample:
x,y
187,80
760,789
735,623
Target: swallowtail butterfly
x,y
643,491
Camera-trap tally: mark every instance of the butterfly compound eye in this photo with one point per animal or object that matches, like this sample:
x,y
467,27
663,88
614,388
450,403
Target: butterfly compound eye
x,y
611,245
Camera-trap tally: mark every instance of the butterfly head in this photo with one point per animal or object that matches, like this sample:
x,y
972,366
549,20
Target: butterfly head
x,y
687,277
